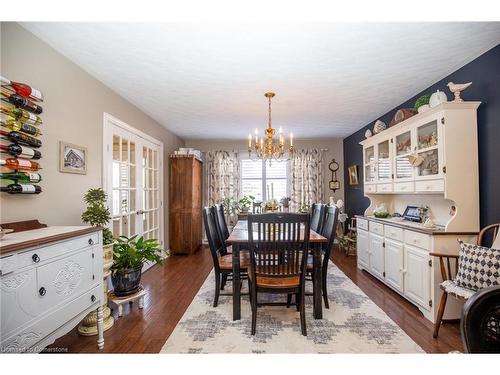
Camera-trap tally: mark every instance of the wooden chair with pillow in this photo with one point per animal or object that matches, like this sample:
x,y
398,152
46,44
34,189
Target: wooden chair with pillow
x,y
476,267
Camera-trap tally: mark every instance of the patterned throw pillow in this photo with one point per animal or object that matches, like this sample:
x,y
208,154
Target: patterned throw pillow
x,y
478,266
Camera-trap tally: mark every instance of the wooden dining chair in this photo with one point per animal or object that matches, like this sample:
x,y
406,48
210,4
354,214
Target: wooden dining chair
x,y
221,222
278,259
449,265
328,231
223,262
318,211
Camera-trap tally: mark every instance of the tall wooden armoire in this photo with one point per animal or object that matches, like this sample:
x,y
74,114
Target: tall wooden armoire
x,y
185,204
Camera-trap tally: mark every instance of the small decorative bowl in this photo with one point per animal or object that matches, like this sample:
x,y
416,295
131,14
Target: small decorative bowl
x,y
381,214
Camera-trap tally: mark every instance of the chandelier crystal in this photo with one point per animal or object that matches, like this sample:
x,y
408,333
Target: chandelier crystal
x,y
267,148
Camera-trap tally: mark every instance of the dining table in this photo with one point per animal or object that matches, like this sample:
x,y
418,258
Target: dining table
x,y
238,239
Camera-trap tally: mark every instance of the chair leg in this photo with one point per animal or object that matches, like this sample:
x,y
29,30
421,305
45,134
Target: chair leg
x,y
440,313
217,288
324,290
253,301
288,300
297,301
224,281
303,313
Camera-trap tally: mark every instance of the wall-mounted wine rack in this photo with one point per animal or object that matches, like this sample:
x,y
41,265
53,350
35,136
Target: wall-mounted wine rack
x,y
20,133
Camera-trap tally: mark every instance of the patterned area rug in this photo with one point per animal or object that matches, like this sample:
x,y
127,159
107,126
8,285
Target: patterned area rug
x,y
353,324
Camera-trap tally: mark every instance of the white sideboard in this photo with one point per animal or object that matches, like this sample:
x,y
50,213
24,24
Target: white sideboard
x,y
50,278
398,255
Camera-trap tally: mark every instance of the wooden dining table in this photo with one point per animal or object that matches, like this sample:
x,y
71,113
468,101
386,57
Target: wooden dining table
x,y
239,240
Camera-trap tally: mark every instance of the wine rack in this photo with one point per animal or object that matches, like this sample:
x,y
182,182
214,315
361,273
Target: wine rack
x,y
20,137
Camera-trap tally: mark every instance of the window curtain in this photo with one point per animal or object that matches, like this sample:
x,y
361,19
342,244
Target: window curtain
x,y
223,176
307,178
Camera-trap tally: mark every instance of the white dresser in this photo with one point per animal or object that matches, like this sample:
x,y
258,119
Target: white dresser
x,y
50,278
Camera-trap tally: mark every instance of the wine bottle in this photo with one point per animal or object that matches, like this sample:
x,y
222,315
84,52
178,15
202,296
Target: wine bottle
x,y
20,164
24,103
22,89
21,138
21,189
22,115
21,151
19,126
23,177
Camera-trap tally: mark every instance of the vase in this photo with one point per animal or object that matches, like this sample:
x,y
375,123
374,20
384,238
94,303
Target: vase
x,y
88,326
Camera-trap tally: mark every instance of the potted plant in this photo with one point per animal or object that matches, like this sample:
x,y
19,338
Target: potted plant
x,y
245,202
231,207
97,214
422,103
129,255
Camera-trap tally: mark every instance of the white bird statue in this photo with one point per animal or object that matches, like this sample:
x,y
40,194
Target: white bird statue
x,y
456,88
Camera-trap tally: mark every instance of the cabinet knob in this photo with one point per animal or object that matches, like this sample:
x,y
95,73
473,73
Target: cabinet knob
x,y
92,298
91,241
42,291
35,258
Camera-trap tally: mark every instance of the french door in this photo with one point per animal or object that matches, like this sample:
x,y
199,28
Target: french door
x,y
133,180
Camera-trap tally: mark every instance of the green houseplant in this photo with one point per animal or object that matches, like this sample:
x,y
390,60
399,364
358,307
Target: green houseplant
x,y
245,203
129,255
422,103
97,214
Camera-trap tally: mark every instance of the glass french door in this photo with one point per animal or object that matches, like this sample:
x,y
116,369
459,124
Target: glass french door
x,y
133,178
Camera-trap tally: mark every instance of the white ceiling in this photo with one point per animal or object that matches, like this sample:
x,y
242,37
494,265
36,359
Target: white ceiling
x,y
207,81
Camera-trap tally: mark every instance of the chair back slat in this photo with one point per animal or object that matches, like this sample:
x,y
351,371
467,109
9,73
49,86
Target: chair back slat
x,y
215,243
221,222
330,229
317,216
278,243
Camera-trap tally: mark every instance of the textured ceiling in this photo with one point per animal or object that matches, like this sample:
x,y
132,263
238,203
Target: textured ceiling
x,y
207,81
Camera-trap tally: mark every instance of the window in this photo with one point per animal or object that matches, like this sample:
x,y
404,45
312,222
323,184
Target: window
x,y
262,180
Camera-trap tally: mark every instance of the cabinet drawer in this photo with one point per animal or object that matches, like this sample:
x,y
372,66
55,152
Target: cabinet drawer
x,y
417,239
370,188
384,188
25,338
404,187
429,185
362,223
393,232
376,228
42,254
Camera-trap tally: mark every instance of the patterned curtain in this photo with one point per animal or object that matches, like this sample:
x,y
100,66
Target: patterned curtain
x,y
307,177
223,176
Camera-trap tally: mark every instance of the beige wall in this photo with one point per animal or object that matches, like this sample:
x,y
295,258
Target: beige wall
x,y
333,145
73,112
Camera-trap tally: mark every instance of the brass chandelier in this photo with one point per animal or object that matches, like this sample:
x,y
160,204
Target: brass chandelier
x,y
267,148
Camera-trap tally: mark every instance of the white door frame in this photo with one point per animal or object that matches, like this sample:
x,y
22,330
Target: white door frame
x,y
109,122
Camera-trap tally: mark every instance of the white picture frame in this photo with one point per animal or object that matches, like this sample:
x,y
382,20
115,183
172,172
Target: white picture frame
x,y
72,158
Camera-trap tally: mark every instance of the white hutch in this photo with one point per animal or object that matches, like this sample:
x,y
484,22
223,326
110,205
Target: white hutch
x,y
444,139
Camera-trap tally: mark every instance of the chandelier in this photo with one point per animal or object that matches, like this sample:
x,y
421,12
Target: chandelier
x,y
267,148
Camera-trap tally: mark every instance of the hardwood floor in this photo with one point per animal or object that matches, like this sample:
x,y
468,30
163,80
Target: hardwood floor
x,y
172,286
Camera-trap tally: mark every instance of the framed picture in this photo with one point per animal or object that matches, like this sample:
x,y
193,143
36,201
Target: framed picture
x,y
353,175
72,158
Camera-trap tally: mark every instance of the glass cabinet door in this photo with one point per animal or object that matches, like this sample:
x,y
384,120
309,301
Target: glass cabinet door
x,y
369,171
383,161
427,149
403,168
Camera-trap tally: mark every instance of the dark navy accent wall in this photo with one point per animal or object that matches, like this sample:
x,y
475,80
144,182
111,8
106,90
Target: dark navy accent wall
x,y
484,72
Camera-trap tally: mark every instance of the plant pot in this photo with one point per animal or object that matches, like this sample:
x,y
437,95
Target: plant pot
x,y
244,210
126,281
423,108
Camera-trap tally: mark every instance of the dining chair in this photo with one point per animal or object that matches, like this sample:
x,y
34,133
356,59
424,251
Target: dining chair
x,y
488,237
278,259
480,322
328,231
317,216
221,222
223,262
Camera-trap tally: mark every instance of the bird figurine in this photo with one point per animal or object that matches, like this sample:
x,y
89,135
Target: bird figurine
x,y
456,88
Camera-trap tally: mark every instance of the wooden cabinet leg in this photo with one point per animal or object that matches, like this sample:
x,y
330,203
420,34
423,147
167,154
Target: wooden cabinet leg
x,y
120,310
100,328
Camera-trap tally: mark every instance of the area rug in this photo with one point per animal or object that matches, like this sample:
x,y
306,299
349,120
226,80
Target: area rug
x,y
352,324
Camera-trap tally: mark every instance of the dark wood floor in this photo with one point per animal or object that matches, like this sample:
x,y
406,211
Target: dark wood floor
x,y
172,286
